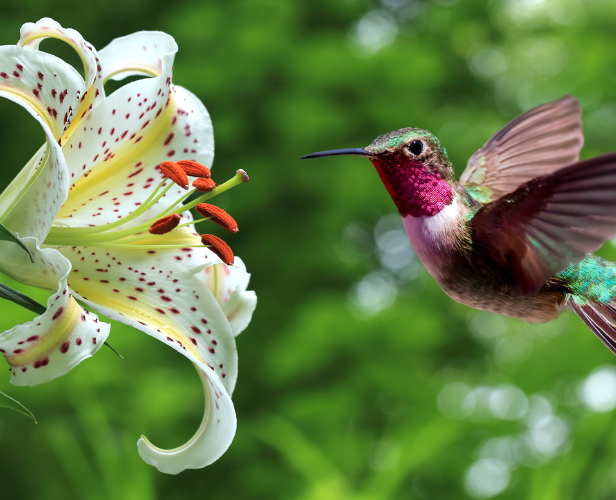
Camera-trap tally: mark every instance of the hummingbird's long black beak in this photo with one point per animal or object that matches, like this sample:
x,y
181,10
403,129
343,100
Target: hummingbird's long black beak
x,y
340,152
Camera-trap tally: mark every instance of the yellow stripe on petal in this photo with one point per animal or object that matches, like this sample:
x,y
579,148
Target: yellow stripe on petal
x,y
134,68
107,172
49,87
157,292
84,106
64,320
57,340
157,318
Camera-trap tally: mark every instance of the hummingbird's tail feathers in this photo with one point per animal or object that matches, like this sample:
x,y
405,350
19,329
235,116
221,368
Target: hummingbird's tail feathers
x,y
600,318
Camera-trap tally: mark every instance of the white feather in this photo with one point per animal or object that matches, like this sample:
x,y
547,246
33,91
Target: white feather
x,y
430,236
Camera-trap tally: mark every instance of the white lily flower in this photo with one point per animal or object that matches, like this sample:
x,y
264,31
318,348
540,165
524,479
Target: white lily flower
x,y
82,206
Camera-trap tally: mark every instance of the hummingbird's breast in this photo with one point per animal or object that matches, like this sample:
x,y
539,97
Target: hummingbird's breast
x,y
438,239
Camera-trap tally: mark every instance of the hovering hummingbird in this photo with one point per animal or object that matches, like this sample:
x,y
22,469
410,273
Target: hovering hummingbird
x,y
514,236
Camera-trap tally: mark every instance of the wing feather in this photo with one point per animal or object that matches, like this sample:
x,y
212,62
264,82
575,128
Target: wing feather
x,y
540,141
550,222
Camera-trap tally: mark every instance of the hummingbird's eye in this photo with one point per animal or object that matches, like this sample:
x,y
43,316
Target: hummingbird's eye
x,y
416,147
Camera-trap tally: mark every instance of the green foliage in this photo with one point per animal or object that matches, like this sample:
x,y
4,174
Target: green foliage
x,y
358,377
7,401
8,293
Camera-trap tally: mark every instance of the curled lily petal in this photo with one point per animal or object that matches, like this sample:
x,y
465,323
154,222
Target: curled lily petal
x,y
209,442
54,342
156,294
136,54
161,298
30,203
40,350
31,36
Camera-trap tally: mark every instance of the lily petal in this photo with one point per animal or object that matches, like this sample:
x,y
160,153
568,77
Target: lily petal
x,y
139,126
210,441
36,83
47,347
31,36
51,344
139,53
156,294
229,284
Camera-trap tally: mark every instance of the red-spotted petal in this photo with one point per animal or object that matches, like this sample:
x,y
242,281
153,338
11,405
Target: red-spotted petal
x,y
139,53
154,291
30,204
159,296
31,36
54,342
114,166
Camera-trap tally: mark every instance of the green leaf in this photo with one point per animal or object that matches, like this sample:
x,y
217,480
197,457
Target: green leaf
x,y
6,292
5,234
8,402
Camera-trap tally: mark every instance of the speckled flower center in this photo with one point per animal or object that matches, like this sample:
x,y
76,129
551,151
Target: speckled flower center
x,y
114,235
415,191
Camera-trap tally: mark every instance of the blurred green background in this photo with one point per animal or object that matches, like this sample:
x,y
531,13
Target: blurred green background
x,y
359,378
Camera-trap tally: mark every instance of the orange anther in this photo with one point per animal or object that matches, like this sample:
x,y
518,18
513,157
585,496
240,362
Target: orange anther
x,y
219,247
175,173
166,224
217,215
194,169
204,184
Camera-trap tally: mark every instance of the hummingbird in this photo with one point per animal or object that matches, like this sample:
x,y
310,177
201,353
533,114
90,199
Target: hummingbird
x,y
515,235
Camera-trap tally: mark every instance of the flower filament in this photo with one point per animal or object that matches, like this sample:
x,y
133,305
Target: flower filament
x,y
113,235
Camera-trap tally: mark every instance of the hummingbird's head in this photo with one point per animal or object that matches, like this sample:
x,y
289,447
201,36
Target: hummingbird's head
x,y
414,168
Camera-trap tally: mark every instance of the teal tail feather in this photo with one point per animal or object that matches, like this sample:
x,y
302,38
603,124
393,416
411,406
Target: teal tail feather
x,y
592,296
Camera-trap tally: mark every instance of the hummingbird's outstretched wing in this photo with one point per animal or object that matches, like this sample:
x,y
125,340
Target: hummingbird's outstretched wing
x,y
550,221
538,142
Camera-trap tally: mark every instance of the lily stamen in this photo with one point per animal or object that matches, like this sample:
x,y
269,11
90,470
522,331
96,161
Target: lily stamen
x,y
174,172
204,184
219,247
166,224
217,215
103,235
149,202
194,169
